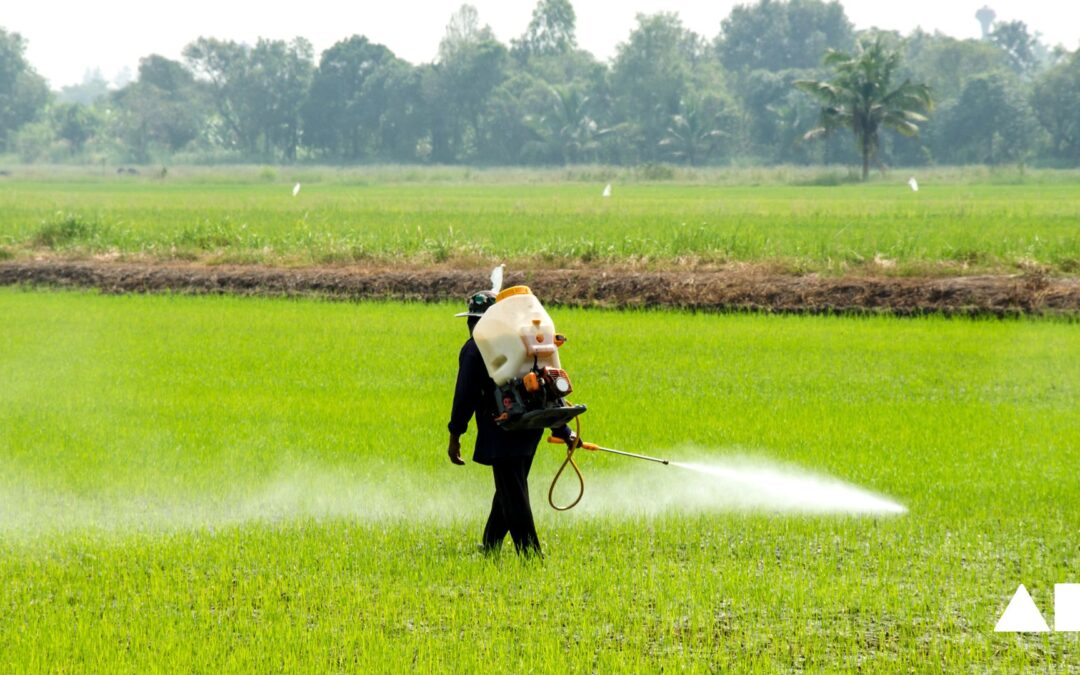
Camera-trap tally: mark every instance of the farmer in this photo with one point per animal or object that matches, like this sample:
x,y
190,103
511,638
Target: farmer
x,y
508,453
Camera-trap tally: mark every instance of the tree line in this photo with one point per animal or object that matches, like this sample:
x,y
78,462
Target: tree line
x,y
762,91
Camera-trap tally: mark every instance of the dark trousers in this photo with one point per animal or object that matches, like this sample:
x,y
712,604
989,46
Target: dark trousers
x,y
510,510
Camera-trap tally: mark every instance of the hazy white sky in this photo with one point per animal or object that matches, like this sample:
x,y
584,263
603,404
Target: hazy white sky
x,y
67,38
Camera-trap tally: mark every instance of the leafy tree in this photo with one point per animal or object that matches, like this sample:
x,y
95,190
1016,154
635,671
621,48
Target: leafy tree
x,y
165,75
1056,100
787,116
944,63
777,35
551,31
224,65
773,112
861,97
456,89
257,91
529,116
343,113
766,46
281,77
165,109
506,135
990,122
652,73
402,119
578,67
697,131
563,129
36,141
1020,47
75,124
23,93
463,31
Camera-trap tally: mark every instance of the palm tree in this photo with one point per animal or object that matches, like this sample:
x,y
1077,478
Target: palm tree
x,y
564,128
861,97
692,135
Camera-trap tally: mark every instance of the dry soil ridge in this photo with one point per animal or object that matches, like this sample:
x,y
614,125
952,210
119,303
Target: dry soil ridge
x,y
717,290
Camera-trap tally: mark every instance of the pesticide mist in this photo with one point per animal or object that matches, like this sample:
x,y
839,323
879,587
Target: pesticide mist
x,y
730,483
785,490
615,487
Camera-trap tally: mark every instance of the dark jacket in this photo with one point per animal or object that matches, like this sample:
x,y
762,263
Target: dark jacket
x,y
475,395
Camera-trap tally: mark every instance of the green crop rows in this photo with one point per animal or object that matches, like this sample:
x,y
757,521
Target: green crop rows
x,y
224,484
951,226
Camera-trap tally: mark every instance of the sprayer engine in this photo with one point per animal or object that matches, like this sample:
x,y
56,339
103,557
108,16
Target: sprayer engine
x,y
536,401
520,348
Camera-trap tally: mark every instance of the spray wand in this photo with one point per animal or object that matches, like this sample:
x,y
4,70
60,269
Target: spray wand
x,y
570,448
594,446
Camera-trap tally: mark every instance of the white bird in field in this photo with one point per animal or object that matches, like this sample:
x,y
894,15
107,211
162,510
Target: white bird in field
x,y
607,190
296,190
497,279
913,183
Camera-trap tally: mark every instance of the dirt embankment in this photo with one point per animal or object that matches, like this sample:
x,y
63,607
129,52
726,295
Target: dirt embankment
x,y
738,289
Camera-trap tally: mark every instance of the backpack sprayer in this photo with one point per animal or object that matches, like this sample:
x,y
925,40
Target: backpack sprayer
x,y
520,348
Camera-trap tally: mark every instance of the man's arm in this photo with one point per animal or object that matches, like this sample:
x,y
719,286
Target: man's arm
x,y
454,450
464,405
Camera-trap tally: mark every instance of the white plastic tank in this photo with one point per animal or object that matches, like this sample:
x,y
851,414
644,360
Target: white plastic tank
x,y
513,332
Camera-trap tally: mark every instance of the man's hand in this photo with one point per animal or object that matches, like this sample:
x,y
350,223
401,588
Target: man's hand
x,y
454,451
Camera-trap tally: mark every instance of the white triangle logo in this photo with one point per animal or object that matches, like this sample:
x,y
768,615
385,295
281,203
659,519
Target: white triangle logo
x,y
1021,616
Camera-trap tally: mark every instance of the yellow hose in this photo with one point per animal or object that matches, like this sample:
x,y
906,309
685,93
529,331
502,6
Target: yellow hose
x,y
569,460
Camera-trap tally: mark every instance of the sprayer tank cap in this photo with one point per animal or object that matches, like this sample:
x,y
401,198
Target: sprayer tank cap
x,y
513,290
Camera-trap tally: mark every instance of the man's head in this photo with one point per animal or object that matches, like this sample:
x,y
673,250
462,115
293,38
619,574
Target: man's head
x,y
478,303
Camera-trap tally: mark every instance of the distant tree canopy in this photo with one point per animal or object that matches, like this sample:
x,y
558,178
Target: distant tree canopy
x,y
774,35
161,112
990,122
23,93
352,94
551,31
1056,100
1020,47
653,73
257,92
863,97
667,95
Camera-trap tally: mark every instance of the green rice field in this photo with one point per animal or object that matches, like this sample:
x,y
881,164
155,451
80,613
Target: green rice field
x,y
955,223
225,484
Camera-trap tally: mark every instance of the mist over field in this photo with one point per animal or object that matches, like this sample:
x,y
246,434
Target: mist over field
x,y
392,496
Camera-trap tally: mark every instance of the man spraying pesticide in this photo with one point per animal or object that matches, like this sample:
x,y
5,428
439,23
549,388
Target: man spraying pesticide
x,y
511,379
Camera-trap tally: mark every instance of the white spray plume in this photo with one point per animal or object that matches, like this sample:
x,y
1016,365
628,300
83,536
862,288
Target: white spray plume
x,y
616,488
780,489
914,184
728,483
607,190
296,190
497,279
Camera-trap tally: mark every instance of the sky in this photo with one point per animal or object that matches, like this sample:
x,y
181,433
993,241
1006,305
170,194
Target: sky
x,y
66,39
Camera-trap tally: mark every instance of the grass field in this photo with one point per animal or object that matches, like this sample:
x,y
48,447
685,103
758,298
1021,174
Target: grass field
x,y
954,225
252,484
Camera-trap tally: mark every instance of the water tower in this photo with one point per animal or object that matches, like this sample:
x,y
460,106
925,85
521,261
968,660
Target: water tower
x,y
986,18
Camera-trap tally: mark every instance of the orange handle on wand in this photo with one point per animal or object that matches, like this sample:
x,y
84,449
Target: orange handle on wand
x,y
587,446
594,446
